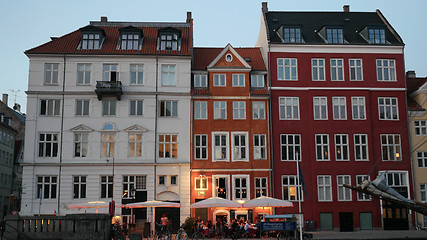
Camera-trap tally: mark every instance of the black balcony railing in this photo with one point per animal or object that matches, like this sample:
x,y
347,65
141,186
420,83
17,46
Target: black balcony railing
x,y
200,91
109,89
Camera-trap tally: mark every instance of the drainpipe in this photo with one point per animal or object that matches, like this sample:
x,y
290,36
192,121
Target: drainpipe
x,y
155,127
61,136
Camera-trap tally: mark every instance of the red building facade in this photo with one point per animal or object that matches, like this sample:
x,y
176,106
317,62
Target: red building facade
x,y
337,105
230,153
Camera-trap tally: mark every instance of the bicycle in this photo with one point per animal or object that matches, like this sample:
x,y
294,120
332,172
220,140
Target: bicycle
x,y
163,232
198,234
239,233
181,234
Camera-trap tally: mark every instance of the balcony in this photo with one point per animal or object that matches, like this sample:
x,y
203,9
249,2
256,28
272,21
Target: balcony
x,y
259,91
200,91
109,89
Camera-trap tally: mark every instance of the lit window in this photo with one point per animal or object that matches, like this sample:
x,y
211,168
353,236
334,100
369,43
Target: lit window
x,y
358,108
168,75
50,107
46,187
339,108
324,190
287,69
341,147
318,69
220,110
136,74
261,188
106,186
291,190
238,80
320,108
135,145
168,145
289,108
51,73
81,141
290,146
356,70
168,108
322,147
48,145
82,107
386,70
377,35
108,142
388,108
292,35
344,194
221,186
83,73
337,70
239,110
334,35
201,183
200,81
219,80
390,147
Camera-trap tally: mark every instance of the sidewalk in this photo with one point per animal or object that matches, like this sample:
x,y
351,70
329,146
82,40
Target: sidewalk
x,y
374,234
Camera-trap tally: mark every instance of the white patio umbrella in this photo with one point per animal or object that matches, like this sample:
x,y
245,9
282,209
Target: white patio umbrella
x,y
266,202
216,202
92,204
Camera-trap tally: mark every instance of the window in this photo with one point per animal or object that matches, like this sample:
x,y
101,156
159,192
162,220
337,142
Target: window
x,y
169,41
239,110
220,142
320,107
290,145
240,146
386,70
109,107
339,108
420,127
201,146
82,107
106,186
168,108
129,41
390,147
423,192
257,81
398,181
356,70
334,35
83,73
79,185
108,141
48,144
358,108
324,185
221,186
168,75
50,107
51,73
201,110
377,35
260,146
91,41
220,110
359,181
287,69
337,70
135,145
81,141
341,147
174,180
162,180
292,35
291,190
136,107
238,80
258,110
322,147
261,188
388,108
136,74
46,187
422,159
200,81
228,58
111,72
344,194
168,145
128,186
219,80
201,183
318,69
241,187
289,108
361,147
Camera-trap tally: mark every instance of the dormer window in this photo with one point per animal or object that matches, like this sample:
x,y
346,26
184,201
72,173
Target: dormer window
x,y
130,38
377,35
92,38
169,39
334,35
292,35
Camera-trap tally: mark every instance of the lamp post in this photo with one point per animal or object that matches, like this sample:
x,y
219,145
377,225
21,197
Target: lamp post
x,y
299,193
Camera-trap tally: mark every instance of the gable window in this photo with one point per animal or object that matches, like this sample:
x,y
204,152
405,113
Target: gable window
x,y
200,81
290,146
388,108
238,80
79,186
261,188
287,69
320,108
337,70
334,35
201,183
240,146
91,41
420,127
50,107
239,110
136,107
258,110
220,149
110,72
291,190
81,141
169,41
257,81
201,146
51,73
361,147
318,69
356,70
82,107
83,73
322,147
386,70
220,110
219,80
136,74
168,108
339,108
241,187
168,75
358,108
109,107
168,145
48,145
292,35
341,147
390,147
377,35
135,145
289,108
46,187
200,110
344,194
129,41
106,186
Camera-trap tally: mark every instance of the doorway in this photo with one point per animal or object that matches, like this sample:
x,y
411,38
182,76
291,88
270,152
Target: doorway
x,y
346,221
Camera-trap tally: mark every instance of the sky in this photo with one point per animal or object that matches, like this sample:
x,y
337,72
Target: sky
x,y
29,23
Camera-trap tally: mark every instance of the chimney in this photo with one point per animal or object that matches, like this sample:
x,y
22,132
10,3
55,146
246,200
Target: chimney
x,y
188,17
264,6
104,19
411,74
346,8
17,107
4,99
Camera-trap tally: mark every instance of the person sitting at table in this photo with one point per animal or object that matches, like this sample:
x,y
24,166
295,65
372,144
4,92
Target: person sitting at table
x,y
211,228
247,225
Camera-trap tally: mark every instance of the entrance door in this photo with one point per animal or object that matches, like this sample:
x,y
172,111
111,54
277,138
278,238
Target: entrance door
x,y
139,213
346,221
173,215
394,217
366,221
326,223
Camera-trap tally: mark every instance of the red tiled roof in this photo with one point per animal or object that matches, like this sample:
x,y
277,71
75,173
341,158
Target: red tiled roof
x,y
413,84
68,43
202,57
413,105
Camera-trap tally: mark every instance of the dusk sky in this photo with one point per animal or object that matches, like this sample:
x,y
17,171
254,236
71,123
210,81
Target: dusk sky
x,y
29,23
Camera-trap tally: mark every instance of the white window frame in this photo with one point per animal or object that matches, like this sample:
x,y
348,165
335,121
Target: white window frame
x,y
420,127
337,69
136,74
260,149
219,80
199,147
200,81
258,110
220,110
287,65
394,150
318,69
168,75
238,148
108,69
162,145
214,185
51,74
81,143
108,144
324,187
341,147
109,107
320,108
168,108
257,81
45,143
247,188
423,192
289,108
91,41
238,80
239,110
135,139
83,74
50,108
322,145
339,109
136,107
292,182
355,69
343,193
79,182
295,147
386,70
422,159
362,196
129,41
361,145
83,105
201,183
48,182
261,187
227,146
200,110
358,108
390,110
